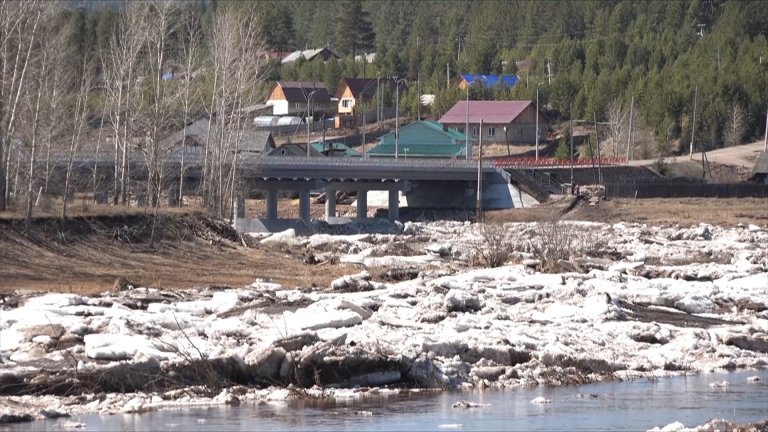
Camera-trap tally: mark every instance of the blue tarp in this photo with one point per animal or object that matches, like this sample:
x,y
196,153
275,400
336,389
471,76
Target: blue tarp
x,y
490,81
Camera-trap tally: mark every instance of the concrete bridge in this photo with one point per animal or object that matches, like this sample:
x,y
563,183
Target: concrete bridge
x,y
433,183
425,183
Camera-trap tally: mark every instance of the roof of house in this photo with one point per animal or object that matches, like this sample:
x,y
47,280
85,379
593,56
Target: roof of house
x,y
299,91
322,146
490,81
293,149
258,141
309,54
423,139
412,150
491,112
425,132
761,164
366,87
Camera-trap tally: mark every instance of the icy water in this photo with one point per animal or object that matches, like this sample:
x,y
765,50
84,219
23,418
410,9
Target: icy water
x,y
635,405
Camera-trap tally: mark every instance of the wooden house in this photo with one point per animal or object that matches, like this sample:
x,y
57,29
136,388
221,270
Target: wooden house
x,y
504,122
299,97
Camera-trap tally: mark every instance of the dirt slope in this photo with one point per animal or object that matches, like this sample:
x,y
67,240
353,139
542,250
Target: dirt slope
x,y
87,254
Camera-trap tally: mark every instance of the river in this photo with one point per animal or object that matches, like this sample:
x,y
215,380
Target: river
x,y
629,405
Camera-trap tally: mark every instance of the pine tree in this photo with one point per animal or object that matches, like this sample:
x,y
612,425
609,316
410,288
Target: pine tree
x,y
355,30
563,150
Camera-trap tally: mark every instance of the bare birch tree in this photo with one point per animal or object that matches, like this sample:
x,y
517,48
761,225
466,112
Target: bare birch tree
x,y
121,78
160,103
19,26
238,57
734,126
43,61
190,56
616,116
79,118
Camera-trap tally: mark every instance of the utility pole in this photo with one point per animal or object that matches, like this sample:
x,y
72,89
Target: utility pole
x,y
693,126
418,95
549,73
599,155
570,126
378,103
466,127
309,100
718,58
447,76
537,121
397,115
479,203
629,133
765,142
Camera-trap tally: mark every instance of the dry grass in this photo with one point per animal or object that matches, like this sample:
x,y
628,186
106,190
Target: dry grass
x,y
87,262
681,211
655,211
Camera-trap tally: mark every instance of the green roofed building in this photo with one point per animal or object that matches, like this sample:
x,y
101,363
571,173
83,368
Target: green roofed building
x,y
423,139
333,148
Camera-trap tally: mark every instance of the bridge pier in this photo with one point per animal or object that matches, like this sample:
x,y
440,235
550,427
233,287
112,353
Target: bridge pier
x,y
362,203
393,210
304,210
239,206
330,202
271,204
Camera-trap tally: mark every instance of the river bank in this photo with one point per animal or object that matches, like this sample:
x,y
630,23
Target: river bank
x,y
569,303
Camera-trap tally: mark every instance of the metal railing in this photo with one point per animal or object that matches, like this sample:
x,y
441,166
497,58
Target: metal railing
x,y
529,162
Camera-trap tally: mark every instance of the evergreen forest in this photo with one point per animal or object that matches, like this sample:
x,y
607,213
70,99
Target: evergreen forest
x,y
68,67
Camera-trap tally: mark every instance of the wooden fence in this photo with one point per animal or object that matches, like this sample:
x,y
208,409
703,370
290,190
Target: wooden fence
x,y
685,190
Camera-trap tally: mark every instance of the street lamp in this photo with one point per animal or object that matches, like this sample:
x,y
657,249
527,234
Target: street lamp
x,y
537,120
397,114
309,100
466,127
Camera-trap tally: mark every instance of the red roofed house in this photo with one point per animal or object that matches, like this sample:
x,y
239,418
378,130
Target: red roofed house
x,y
512,122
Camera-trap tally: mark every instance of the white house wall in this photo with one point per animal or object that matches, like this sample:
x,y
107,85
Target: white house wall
x,y
279,107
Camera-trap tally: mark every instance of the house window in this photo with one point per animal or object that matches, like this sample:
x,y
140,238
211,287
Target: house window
x,y
346,103
460,130
491,132
521,131
298,105
475,131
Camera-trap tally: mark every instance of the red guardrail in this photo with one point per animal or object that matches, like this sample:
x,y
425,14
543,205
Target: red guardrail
x,y
526,162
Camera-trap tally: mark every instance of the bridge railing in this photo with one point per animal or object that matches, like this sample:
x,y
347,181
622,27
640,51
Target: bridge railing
x,y
529,162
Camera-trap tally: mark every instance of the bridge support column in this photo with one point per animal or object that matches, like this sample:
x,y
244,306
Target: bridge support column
x,y
394,204
330,203
362,203
271,204
304,213
239,206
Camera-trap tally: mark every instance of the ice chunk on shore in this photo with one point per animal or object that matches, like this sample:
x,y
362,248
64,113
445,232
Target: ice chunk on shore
x,y
54,301
105,346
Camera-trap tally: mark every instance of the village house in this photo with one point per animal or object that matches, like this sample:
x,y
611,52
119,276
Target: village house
x,y
352,92
195,135
760,170
504,122
487,81
323,54
300,97
317,148
422,139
